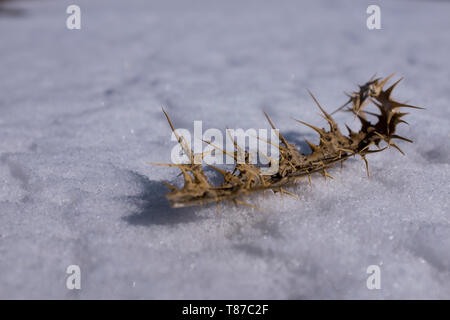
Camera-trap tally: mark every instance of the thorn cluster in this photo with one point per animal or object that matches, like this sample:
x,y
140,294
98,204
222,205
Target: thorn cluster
x,y
333,147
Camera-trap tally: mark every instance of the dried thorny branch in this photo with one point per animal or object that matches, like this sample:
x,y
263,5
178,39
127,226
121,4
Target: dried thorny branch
x,y
334,147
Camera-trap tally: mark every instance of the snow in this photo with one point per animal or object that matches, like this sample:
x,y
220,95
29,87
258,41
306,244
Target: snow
x,y
81,119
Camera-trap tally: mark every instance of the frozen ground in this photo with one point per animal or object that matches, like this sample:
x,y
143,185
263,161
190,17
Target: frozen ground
x,y
81,118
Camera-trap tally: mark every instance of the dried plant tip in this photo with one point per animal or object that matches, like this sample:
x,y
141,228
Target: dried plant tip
x,y
334,147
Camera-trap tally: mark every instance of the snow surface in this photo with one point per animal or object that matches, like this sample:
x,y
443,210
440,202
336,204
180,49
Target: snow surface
x,y
81,118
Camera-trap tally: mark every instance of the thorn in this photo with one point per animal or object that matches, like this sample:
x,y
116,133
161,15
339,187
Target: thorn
x,y
220,149
397,147
171,187
270,159
222,172
326,174
187,178
320,107
247,204
234,141
350,132
371,113
165,164
345,150
343,106
380,135
366,147
180,140
402,105
320,131
385,80
363,121
367,165
401,138
288,193
375,151
280,136
388,92
311,145
266,141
